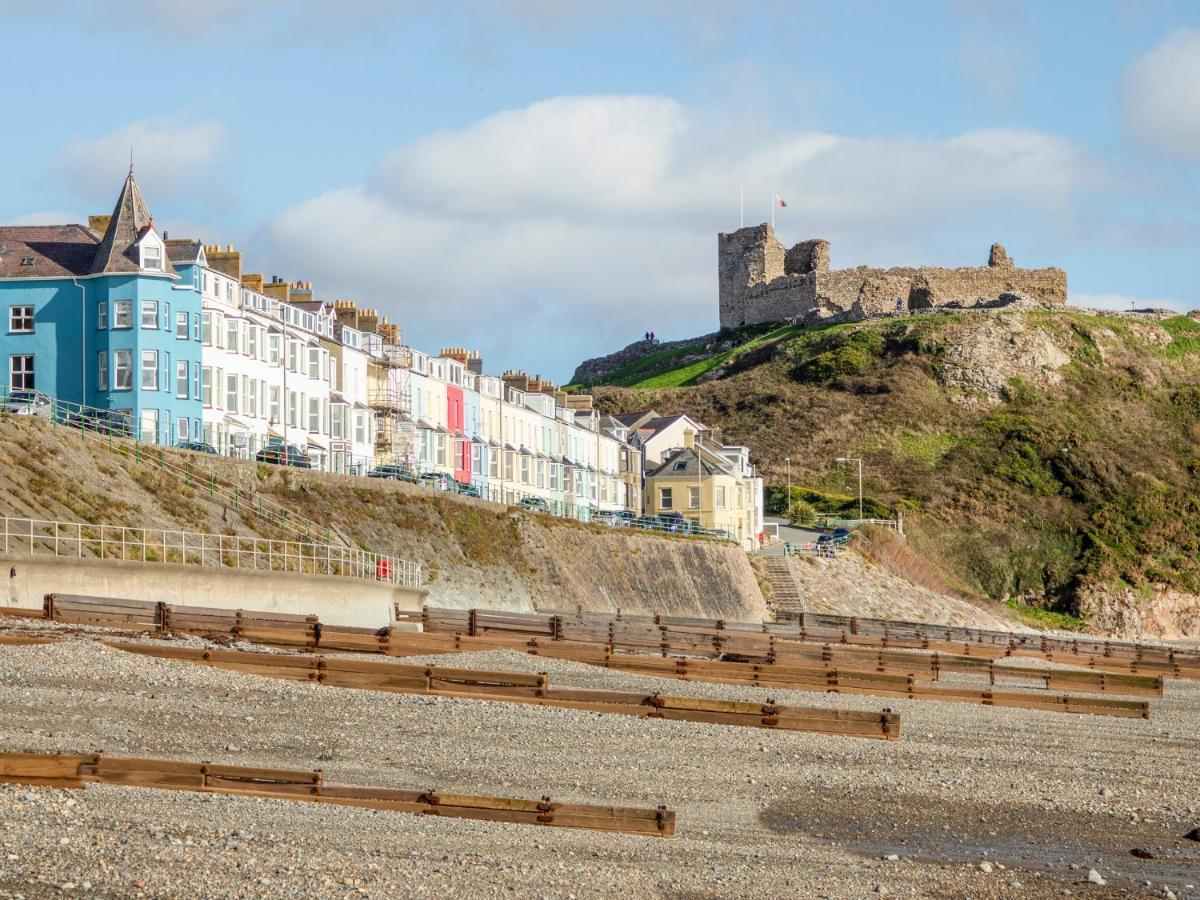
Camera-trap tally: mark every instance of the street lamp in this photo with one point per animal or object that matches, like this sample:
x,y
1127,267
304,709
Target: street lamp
x,y
788,509
850,459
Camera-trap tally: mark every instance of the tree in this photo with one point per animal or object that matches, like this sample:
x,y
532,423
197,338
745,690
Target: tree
x,y
802,514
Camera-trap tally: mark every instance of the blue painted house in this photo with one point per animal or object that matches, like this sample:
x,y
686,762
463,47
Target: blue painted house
x,y
105,315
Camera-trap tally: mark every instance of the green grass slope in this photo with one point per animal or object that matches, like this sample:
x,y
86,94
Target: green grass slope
x,y
1080,471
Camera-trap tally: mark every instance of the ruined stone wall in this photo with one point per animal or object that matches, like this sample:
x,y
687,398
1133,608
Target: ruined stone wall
x,y
761,281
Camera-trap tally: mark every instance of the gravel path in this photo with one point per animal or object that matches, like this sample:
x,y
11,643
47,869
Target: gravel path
x,y
1042,798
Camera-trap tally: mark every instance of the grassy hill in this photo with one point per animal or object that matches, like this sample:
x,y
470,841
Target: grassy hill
x,y
1052,455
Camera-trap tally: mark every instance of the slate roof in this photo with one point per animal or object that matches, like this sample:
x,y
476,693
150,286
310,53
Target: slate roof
x,y
63,251
184,252
688,458
57,251
130,221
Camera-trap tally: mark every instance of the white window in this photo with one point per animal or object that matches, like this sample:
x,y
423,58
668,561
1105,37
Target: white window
x,y
273,349
195,381
206,329
524,469
275,395
195,326
293,408
123,370
20,319
181,326
314,415
720,497
338,416
231,335
664,495
102,370
152,257
251,408
166,317
206,385
231,393
181,429
360,428
150,370
181,379
252,340
102,315
314,362
20,373
292,362
149,314
494,463
693,498
150,424
477,459
123,314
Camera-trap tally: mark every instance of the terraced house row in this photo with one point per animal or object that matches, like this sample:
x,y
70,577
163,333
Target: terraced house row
x,y
174,338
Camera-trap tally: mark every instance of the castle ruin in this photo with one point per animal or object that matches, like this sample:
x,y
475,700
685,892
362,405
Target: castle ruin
x,y
761,281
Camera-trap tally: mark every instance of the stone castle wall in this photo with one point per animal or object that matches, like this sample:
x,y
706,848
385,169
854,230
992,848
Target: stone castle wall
x,y
761,281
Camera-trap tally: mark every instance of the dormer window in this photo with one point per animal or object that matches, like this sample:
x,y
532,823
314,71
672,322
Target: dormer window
x,y
27,260
152,257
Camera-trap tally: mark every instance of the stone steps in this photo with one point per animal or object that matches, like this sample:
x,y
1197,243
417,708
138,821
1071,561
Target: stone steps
x,y
786,594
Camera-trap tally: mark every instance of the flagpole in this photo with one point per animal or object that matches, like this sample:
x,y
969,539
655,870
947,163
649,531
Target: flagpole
x,y
741,206
772,210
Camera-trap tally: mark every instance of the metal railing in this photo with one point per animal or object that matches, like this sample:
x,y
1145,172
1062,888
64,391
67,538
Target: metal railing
x,y
80,540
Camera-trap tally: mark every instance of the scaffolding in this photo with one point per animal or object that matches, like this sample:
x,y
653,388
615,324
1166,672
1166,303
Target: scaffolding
x,y
390,398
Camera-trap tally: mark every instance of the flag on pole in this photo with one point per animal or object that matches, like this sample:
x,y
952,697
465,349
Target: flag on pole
x,y
781,201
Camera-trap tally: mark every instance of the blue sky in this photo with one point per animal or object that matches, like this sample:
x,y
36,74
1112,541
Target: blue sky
x,y
544,180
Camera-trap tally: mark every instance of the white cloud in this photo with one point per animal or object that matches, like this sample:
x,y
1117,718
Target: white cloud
x,y
1161,96
169,157
1124,301
570,226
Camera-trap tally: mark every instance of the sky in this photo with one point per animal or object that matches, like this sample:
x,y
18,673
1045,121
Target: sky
x,y
544,181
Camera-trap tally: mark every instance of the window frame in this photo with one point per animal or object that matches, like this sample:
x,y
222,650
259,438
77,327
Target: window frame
x,y
28,375
152,307
102,315
181,318
120,306
27,316
148,356
102,370
128,356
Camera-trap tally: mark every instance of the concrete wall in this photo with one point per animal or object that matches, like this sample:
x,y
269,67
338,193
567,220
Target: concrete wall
x,y
335,601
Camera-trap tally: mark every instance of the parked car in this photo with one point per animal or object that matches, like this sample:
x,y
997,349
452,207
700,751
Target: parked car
x,y
29,403
624,517
102,421
393,473
606,517
467,489
198,447
440,481
675,522
534,504
277,453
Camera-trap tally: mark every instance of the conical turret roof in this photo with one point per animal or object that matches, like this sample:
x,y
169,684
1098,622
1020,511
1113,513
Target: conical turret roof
x,y
129,223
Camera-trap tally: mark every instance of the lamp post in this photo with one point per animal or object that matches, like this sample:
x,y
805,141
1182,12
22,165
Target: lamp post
x,y
788,509
845,459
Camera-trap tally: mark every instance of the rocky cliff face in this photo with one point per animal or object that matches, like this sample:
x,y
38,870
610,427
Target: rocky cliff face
x,y
1158,612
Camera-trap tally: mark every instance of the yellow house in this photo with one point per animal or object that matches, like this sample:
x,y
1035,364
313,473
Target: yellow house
x,y
701,485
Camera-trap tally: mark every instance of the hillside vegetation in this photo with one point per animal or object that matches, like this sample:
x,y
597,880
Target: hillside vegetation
x,y
1047,455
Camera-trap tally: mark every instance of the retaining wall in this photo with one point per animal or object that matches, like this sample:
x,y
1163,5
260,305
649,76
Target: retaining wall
x,y
336,601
